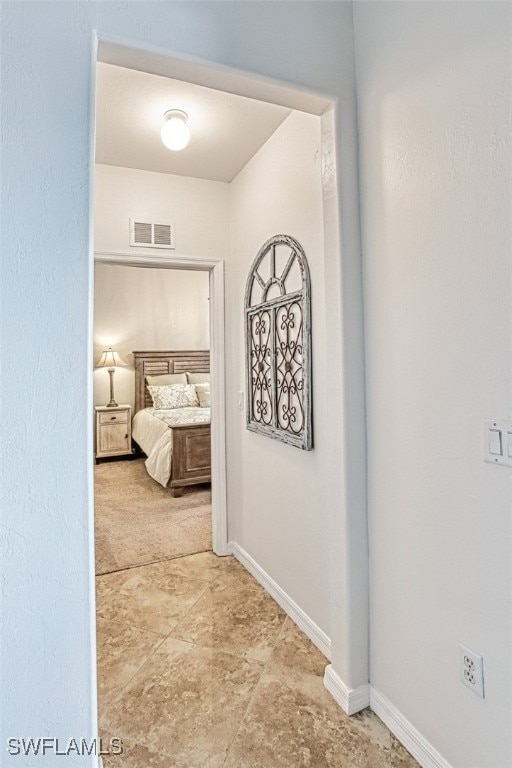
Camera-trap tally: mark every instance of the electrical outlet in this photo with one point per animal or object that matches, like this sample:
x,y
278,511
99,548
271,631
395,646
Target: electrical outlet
x,y
471,666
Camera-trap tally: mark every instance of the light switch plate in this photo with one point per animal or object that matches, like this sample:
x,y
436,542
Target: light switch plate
x,y
498,441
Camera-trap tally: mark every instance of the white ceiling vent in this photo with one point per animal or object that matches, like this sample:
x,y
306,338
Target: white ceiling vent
x,y
148,234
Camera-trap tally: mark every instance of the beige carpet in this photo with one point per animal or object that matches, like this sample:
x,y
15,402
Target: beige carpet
x,y
137,521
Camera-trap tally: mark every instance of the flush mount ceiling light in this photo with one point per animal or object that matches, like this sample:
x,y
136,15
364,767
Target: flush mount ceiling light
x,y
175,131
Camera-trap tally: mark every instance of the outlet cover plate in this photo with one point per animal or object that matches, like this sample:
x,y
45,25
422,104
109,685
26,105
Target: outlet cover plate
x,y
471,666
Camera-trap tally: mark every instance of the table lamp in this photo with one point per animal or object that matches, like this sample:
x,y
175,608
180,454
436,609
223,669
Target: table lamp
x,y
110,359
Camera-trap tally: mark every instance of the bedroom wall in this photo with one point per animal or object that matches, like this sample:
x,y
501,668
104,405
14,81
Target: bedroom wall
x,y
434,96
279,513
138,309
47,597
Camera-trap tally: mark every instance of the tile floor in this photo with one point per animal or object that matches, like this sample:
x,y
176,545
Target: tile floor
x,y
200,668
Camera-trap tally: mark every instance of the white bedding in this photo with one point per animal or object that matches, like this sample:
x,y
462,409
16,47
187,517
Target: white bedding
x,y
152,430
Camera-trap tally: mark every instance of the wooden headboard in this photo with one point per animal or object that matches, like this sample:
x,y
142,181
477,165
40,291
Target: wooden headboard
x,y
156,363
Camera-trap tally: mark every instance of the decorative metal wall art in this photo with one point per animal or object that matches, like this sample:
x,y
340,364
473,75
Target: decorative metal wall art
x,y
278,343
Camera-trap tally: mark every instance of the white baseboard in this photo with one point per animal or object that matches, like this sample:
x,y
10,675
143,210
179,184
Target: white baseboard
x,y
421,749
351,700
295,612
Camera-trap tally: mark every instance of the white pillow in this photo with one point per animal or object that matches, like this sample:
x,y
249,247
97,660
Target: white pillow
x,y
203,393
198,378
174,396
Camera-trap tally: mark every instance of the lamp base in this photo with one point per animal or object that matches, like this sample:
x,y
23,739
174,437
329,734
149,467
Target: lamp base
x,y
112,403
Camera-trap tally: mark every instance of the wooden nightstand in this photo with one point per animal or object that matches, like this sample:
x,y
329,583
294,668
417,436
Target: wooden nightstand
x,y
113,431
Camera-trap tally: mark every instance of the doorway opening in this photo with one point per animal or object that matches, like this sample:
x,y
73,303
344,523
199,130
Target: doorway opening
x,y
150,505
200,212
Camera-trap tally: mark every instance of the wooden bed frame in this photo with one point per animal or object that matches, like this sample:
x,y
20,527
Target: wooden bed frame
x,y
191,450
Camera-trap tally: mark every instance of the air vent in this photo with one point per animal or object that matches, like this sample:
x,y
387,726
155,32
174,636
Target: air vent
x,y
148,234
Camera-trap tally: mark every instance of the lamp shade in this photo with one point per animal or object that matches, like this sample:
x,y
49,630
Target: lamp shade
x,y
110,359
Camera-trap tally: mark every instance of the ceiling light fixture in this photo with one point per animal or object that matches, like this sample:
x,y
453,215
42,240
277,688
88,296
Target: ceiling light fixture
x,y
175,131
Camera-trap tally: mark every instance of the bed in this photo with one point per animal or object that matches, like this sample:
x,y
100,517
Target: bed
x,y
176,441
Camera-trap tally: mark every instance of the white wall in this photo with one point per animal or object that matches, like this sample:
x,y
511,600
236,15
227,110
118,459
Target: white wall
x,y
198,208
280,496
434,93
139,309
47,602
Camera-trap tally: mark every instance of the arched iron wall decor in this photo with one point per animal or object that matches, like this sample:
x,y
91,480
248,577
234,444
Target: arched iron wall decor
x,y
278,343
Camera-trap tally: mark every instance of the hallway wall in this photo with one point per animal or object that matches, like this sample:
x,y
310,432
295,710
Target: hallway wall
x,y
197,207
280,496
434,96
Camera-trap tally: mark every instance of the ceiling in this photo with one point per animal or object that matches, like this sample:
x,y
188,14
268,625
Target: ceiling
x,y
226,130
